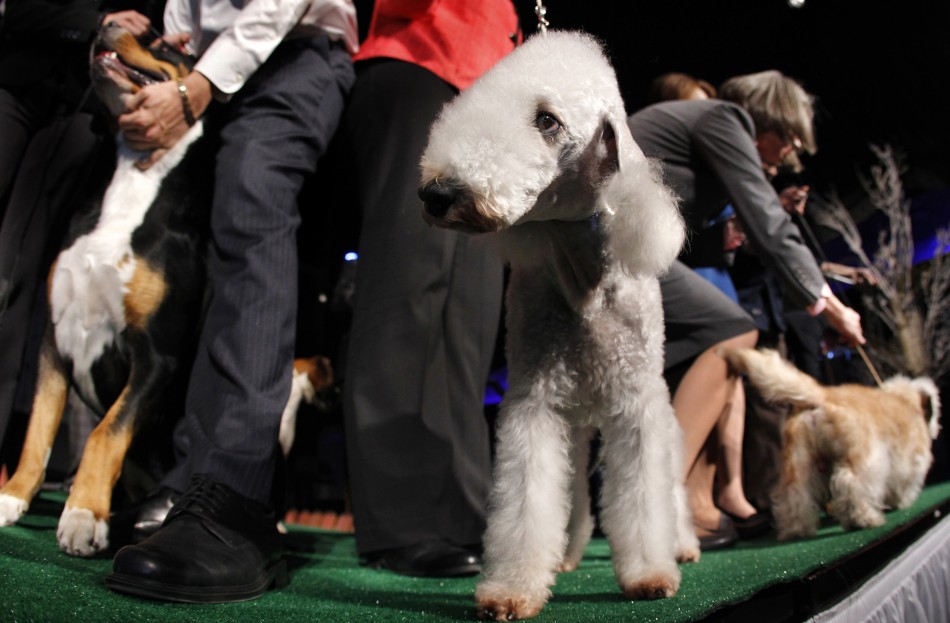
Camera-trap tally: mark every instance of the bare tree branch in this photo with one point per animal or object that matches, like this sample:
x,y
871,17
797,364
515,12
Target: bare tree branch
x,y
909,331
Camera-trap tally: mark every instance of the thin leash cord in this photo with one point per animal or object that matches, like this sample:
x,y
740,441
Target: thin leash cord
x,y
806,228
867,361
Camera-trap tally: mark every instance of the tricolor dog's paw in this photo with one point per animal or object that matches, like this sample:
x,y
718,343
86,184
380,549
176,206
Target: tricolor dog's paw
x,y
497,604
11,509
80,533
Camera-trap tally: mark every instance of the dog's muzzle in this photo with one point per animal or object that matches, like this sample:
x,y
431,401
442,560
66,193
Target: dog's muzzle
x,y
453,206
438,198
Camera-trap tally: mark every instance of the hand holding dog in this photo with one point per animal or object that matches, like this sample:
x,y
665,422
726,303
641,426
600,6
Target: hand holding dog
x,y
156,117
133,21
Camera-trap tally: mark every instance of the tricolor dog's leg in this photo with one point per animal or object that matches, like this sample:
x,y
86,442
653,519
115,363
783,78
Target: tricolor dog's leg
x,y
637,498
48,404
528,509
83,526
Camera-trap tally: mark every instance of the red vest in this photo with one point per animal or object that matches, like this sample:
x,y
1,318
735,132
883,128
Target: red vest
x,y
457,40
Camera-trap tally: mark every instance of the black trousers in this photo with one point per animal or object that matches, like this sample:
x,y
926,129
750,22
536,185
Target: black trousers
x,y
47,151
273,132
427,305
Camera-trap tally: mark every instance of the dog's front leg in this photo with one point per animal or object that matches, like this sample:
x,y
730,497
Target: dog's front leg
x,y
639,516
528,510
83,526
48,404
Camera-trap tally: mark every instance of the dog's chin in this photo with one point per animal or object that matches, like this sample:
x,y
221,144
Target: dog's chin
x,y
112,88
465,223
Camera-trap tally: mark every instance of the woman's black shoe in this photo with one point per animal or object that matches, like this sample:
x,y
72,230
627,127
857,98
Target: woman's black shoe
x,y
724,536
215,546
753,525
433,559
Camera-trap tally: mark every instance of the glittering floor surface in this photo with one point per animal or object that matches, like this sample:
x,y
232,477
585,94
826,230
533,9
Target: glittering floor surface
x,y
39,583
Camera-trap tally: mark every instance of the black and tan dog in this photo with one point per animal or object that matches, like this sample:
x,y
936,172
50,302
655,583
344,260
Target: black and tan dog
x,y
125,300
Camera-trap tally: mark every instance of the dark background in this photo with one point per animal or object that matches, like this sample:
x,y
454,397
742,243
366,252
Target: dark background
x,y
879,70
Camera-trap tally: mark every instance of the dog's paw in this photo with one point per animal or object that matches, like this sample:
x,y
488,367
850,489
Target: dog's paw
x,y
567,566
792,533
687,554
862,520
80,533
654,586
11,509
494,603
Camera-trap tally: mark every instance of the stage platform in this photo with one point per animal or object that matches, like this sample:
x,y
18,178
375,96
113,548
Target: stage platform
x,y
898,572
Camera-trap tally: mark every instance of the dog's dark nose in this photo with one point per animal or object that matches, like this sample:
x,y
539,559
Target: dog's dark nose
x,y
438,198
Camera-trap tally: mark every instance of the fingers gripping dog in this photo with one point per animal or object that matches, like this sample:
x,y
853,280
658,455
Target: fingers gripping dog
x,y
125,298
538,150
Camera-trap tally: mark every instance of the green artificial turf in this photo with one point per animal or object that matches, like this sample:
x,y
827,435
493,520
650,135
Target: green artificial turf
x,y
40,583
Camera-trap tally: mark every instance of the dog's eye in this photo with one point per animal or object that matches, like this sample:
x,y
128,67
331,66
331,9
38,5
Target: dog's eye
x,y
547,123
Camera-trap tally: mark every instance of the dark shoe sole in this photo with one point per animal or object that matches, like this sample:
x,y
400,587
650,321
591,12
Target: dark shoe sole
x,y
275,577
459,571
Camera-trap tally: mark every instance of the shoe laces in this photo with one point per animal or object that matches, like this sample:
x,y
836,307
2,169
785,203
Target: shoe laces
x,y
204,494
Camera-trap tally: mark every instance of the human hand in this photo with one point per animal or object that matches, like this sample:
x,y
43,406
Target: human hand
x,y
177,40
133,21
794,198
156,117
845,321
857,275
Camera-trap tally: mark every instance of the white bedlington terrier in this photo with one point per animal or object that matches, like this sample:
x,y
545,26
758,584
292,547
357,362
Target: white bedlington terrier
x,y
539,150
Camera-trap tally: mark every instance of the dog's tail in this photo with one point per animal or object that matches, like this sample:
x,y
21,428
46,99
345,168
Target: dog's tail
x,y
929,396
776,379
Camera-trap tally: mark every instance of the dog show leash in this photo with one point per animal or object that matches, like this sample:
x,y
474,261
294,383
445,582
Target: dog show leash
x,y
541,11
816,247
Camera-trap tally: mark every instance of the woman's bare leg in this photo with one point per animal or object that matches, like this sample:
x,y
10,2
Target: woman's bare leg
x,y
700,401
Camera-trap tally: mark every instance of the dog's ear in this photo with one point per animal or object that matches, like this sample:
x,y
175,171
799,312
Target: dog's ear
x,y
638,210
608,150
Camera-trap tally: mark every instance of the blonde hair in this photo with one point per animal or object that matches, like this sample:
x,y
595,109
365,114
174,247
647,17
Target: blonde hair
x,y
775,102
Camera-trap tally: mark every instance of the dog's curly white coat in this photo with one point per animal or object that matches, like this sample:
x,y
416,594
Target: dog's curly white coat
x,y
538,149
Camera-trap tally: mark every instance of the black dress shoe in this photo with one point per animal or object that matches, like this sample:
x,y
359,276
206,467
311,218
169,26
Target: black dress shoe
x,y
432,559
215,546
724,536
753,525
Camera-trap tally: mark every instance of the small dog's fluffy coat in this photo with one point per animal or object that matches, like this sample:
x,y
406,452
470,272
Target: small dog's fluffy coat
x,y
539,150
859,450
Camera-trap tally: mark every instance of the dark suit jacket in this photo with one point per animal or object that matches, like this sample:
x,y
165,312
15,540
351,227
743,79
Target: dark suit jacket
x,y
707,148
43,37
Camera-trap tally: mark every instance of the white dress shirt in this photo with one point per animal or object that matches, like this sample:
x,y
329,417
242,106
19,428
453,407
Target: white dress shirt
x,y
234,37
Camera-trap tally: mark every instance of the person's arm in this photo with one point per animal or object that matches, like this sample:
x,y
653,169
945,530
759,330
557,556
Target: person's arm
x,y
724,139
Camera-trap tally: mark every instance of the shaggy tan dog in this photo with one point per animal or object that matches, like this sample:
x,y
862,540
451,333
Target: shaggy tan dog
x,y
859,450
